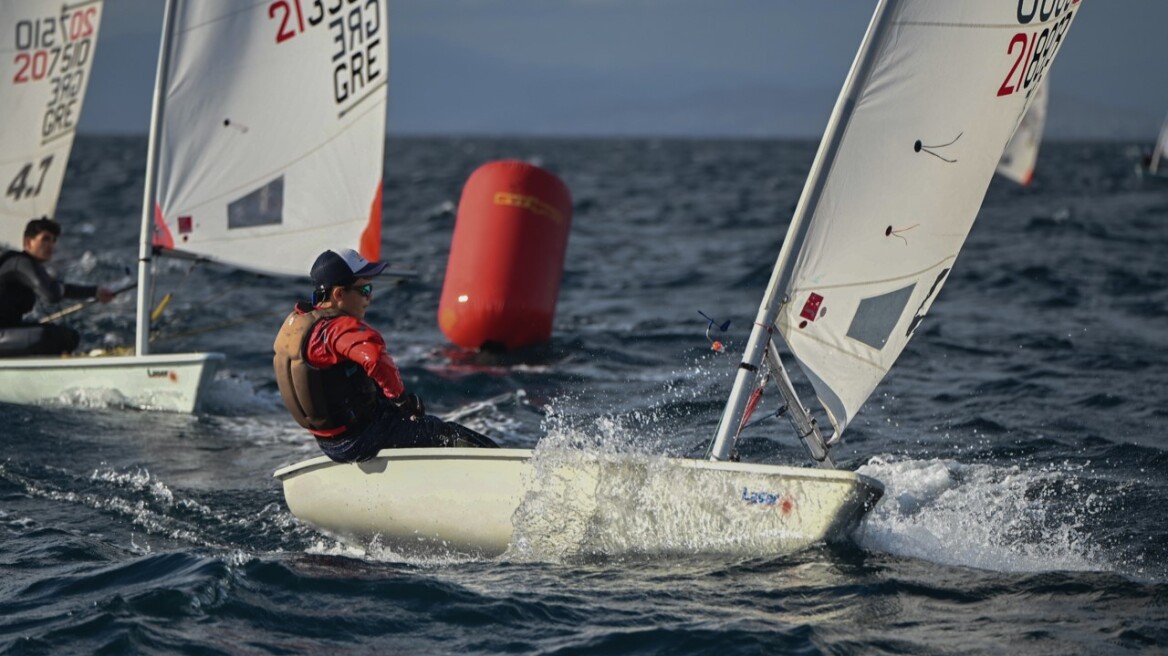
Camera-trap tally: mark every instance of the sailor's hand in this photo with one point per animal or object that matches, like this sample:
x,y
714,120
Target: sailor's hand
x,y
410,404
105,295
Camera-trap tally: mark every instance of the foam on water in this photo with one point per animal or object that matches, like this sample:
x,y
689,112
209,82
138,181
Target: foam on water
x,y
1005,519
489,418
233,394
165,516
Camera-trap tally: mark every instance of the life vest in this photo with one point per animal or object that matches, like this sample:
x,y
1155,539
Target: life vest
x,y
330,400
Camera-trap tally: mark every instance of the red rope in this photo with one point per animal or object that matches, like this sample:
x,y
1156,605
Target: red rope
x,y
751,404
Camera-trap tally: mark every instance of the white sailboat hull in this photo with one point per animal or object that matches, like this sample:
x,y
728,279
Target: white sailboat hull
x,y
486,502
166,382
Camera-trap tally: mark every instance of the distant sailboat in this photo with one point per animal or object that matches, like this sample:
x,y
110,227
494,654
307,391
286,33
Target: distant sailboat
x,y
266,146
46,53
1021,154
928,107
1158,152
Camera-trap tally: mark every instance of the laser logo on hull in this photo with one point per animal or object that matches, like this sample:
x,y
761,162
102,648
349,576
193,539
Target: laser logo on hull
x,y
764,498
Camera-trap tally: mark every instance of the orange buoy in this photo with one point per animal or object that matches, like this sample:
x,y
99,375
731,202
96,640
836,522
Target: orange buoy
x,y
506,257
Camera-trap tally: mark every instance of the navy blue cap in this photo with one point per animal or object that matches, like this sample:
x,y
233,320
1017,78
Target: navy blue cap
x,y
333,269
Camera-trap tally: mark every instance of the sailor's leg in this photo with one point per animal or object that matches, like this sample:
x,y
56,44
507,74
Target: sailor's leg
x,y
56,340
462,436
19,340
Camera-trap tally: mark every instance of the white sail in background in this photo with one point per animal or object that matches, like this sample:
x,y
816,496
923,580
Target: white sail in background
x,y
1160,149
1021,154
46,53
273,131
933,110
933,97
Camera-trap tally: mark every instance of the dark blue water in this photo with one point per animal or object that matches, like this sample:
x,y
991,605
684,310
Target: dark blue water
x,y
1022,436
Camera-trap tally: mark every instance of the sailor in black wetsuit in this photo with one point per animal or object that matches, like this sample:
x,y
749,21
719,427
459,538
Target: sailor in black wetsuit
x,y
23,278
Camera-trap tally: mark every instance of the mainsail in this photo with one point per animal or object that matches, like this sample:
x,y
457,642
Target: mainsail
x,y
272,131
46,52
933,97
1021,154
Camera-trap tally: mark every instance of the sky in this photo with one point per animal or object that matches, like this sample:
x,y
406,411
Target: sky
x,y
738,68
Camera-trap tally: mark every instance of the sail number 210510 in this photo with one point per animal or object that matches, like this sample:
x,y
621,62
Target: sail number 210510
x,y
1032,51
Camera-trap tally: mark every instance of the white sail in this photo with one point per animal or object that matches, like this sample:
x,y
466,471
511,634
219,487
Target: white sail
x,y
1021,154
46,53
271,141
1160,149
948,84
933,97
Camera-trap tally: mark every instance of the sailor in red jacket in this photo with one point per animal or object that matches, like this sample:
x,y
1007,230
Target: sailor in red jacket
x,y
337,379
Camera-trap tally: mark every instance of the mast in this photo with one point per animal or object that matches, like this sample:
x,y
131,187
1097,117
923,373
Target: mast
x,y
150,193
760,334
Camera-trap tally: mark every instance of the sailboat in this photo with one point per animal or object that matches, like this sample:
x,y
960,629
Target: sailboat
x,y
1021,154
266,147
47,55
930,102
1155,162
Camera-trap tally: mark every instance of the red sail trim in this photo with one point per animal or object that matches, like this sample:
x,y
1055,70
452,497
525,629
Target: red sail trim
x,y
162,237
370,246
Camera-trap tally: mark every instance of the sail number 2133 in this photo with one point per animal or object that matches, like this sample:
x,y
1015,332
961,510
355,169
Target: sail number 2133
x,y
1031,51
355,28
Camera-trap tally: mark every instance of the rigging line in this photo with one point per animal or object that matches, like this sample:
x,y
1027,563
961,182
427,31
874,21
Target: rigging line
x,y
156,314
779,412
218,292
215,327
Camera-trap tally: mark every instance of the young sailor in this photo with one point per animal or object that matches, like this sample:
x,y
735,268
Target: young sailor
x,y
23,279
338,381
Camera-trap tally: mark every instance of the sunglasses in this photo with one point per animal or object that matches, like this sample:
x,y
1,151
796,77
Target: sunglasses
x,y
365,290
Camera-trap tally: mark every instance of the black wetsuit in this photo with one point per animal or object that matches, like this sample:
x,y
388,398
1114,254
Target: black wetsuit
x,y
22,280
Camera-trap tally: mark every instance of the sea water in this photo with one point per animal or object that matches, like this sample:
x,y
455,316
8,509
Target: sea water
x,y
1021,437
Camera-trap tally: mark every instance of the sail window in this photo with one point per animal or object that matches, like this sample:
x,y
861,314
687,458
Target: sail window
x,y
876,317
264,206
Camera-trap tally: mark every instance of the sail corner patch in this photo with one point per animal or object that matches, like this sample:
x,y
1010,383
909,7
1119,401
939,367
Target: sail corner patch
x,y
811,307
876,317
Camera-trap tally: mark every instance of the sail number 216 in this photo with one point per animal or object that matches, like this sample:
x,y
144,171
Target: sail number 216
x,y
1033,51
